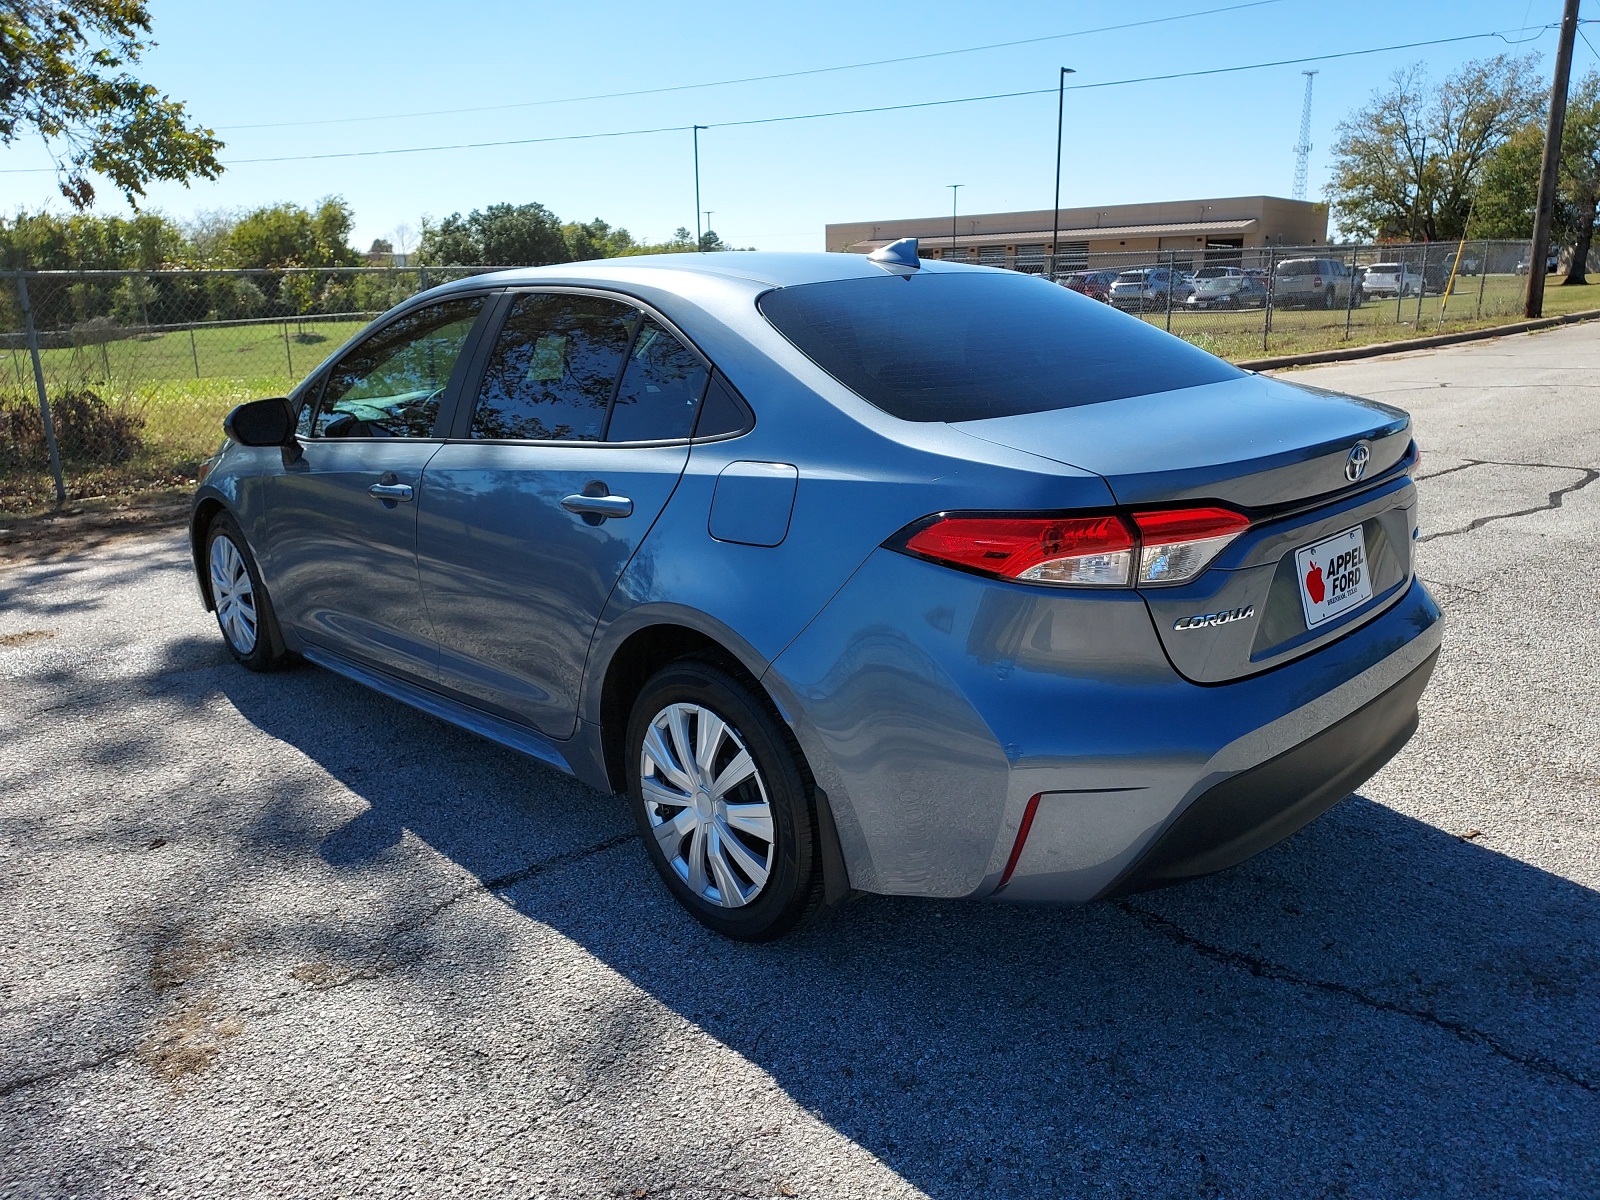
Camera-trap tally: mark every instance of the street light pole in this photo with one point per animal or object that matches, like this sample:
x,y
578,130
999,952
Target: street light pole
x,y
697,234
954,192
1061,109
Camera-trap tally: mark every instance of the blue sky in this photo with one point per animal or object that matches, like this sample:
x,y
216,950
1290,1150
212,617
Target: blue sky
x,y
774,186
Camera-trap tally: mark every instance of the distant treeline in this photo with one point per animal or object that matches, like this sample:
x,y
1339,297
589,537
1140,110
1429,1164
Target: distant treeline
x,y
287,235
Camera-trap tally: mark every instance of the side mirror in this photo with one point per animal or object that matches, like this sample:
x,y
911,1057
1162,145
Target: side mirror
x,y
261,423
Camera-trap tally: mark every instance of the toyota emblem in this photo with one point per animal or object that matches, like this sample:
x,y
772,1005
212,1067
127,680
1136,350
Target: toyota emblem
x,y
1355,466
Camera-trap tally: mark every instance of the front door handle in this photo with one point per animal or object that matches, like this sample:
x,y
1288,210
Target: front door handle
x,y
599,506
390,492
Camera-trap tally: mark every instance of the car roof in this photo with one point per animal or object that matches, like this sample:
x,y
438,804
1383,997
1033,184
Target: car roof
x,y
771,267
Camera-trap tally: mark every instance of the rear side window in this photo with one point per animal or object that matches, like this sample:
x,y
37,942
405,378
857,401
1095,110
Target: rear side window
x,y
963,347
554,368
661,389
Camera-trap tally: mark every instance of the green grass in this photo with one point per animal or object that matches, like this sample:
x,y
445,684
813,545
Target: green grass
x,y
1238,335
182,384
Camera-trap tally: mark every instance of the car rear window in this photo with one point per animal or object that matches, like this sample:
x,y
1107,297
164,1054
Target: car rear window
x,y
965,346
1302,266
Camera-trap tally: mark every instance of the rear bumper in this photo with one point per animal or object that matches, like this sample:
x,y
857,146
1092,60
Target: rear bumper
x,y
933,705
1259,807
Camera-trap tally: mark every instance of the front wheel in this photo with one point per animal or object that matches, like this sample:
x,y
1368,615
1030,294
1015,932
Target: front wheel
x,y
722,800
244,611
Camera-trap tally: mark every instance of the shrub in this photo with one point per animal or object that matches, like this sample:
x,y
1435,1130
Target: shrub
x,y
88,430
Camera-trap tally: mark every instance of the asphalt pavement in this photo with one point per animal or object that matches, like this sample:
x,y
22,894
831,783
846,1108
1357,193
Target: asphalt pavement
x,y
272,936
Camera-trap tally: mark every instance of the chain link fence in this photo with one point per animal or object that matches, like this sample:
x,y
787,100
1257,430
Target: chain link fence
x,y
140,367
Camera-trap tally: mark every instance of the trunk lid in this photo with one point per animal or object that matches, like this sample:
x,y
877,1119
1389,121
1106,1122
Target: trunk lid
x,y
1277,452
1253,442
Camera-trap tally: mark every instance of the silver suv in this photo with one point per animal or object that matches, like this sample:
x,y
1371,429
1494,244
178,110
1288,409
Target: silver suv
x,y
1311,283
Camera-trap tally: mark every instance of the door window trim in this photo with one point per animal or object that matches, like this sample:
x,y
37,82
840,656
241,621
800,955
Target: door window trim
x,y
488,334
316,383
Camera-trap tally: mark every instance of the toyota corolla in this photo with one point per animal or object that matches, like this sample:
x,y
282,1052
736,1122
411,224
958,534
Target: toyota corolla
x,y
853,573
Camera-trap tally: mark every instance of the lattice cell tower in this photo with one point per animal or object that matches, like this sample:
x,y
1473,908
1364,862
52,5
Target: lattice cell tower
x,y
1302,151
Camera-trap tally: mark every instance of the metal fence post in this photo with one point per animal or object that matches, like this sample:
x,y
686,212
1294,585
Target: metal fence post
x,y
1272,292
1172,278
1400,289
194,352
288,353
1422,285
1350,295
38,382
1483,273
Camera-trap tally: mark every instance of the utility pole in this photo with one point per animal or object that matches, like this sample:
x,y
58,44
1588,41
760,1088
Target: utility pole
x,y
1061,109
1302,150
1554,125
697,234
709,211
954,192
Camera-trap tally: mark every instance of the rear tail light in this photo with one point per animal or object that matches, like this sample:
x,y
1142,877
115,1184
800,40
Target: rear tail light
x,y
1177,544
1109,550
1316,281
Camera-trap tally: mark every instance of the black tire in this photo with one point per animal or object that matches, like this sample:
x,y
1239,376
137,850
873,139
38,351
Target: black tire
x,y
1330,299
792,892
266,651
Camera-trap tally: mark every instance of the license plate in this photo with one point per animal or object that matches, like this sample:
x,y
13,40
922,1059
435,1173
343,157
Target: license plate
x,y
1333,576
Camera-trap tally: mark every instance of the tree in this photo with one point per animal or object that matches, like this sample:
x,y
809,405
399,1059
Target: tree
x,y
597,239
61,77
502,235
286,235
1510,188
1409,163
46,241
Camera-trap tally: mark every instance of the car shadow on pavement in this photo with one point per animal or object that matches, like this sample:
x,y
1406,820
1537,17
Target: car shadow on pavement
x,y
1374,1008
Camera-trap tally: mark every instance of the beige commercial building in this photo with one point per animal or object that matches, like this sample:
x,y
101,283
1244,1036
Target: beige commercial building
x,y
1234,229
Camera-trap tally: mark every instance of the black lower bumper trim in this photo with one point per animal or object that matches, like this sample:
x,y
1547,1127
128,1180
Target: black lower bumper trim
x,y
1242,816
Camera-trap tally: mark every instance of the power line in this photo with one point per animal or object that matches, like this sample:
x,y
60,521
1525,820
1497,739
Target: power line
x,y
846,112
685,87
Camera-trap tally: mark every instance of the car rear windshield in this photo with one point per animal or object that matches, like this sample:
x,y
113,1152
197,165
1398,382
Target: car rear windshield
x,y
1303,266
966,346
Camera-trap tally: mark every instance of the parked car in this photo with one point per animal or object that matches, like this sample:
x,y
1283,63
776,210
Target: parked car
x,y
1551,263
1229,291
1391,279
1311,283
816,559
1145,289
1094,284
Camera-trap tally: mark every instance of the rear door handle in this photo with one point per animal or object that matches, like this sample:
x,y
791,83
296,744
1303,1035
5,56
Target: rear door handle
x,y
599,506
390,491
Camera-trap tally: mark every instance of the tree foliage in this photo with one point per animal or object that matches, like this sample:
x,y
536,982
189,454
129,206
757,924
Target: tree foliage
x,y
1409,162
501,235
62,76
1510,191
286,235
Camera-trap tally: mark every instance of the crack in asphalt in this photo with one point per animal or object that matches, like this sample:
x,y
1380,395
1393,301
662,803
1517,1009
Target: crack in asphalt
x,y
1266,969
486,886
1590,474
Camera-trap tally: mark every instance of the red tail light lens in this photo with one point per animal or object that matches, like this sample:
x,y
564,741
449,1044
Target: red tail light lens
x,y
1177,544
1165,547
1078,551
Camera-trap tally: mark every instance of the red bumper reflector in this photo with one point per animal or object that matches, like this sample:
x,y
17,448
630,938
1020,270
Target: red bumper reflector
x,y
1022,836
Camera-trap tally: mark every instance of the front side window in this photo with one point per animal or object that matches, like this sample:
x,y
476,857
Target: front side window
x,y
391,384
554,368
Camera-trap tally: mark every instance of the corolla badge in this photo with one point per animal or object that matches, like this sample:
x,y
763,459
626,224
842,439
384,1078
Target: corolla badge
x,y
1211,620
1355,464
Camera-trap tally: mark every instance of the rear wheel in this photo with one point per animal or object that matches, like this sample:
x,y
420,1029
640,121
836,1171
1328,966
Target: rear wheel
x,y
1329,299
723,803
244,612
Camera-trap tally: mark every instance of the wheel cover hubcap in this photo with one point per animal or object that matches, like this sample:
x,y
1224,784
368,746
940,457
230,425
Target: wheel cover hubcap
x,y
707,804
233,594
